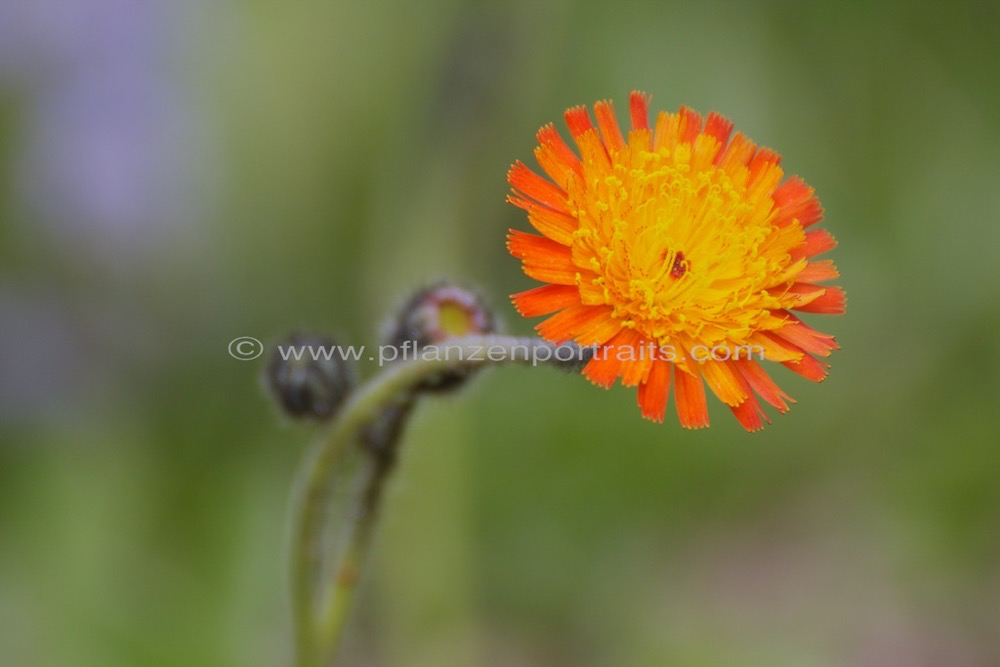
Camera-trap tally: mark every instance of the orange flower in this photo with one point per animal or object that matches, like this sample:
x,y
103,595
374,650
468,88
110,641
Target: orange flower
x,y
677,251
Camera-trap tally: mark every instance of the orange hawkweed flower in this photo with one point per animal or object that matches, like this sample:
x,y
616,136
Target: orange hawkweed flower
x,y
676,251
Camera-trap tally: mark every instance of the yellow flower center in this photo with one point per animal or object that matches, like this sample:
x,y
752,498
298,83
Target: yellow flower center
x,y
455,319
683,250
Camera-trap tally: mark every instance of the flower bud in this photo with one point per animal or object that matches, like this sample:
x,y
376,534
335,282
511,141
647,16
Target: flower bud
x,y
434,315
309,376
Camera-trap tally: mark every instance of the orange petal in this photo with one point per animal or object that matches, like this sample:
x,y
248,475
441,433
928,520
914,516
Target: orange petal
x,y
665,132
599,329
718,126
530,184
689,395
738,152
762,158
797,295
549,136
775,349
578,120
703,151
690,124
801,335
570,322
653,393
818,271
765,173
554,275
808,213
791,192
789,317
761,382
795,201
606,366
724,382
639,109
555,225
808,367
531,246
555,157
608,123
636,368
676,128
637,371
790,336
803,338
750,414
545,299
817,242
592,149
831,302
543,259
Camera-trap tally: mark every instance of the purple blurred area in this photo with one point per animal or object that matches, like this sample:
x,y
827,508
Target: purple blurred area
x,y
103,172
108,143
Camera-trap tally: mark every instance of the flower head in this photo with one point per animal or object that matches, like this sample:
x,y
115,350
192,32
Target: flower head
x,y
433,315
307,386
679,252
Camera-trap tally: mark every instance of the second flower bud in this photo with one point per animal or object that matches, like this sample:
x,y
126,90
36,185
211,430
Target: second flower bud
x,y
432,316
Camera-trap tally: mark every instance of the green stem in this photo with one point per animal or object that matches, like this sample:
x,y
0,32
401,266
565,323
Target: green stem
x,y
344,584
321,606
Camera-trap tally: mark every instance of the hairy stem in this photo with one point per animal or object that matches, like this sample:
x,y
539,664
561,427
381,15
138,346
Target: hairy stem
x,y
321,606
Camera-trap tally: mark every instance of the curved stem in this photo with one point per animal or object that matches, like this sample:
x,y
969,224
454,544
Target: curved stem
x,y
344,584
320,615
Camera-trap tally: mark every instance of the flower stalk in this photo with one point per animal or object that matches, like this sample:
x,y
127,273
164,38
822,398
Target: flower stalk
x,y
321,605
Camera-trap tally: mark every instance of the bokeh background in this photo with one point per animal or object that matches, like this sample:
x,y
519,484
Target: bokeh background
x,y
174,174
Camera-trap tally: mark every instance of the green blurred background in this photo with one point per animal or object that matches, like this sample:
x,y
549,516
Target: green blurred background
x,y
177,174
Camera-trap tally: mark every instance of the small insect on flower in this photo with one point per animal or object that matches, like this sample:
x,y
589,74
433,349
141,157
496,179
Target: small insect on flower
x,y
680,253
